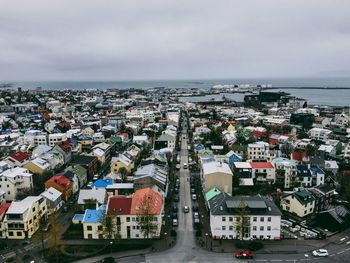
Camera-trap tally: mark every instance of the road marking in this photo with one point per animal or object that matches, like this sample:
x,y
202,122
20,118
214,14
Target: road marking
x,y
261,260
348,242
332,255
340,252
276,260
342,239
347,249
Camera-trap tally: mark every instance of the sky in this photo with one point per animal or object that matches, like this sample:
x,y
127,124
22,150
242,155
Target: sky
x,y
177,39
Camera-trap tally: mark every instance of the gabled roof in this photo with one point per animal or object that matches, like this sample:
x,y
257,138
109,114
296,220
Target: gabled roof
x,y
141,195
216,167
51,194
119,205
261,165
59,179
212,193
19,156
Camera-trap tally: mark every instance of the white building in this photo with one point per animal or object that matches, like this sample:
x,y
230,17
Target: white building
x,y
53,200
258,151
263,219
289,168
14,180
56,137
319,134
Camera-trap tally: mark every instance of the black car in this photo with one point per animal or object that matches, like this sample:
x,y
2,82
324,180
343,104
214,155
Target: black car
x,y
176,190
174,207
176,198
195,208
108,260
174,215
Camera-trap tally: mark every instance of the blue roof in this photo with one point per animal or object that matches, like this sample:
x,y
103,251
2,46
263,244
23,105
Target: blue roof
x,y
102,183
199,148
235,158
316,170
94,216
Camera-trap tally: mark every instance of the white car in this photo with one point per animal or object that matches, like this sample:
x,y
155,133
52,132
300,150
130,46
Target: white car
x,y
194,197
320,253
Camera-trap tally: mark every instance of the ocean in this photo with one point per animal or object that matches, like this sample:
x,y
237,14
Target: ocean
x,y
314,96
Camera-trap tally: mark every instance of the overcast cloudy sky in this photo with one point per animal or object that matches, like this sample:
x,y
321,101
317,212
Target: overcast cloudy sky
x,y
161,39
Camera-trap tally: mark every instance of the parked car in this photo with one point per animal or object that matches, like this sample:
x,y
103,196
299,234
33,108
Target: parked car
x,y
185,166
176,198
195,215
174,215
174,207
320,253
244,254
176,190
195,208
193,191
186,209
194,197
175,222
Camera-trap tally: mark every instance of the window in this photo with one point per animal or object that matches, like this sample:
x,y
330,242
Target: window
x,y
89,228
262,228
269,219
127,219
305,212
133,227
99,228
11,233
268,228
231,228
89,236
262,219
33,209
223,219
223,228
254,228
255,219
133,219
230,219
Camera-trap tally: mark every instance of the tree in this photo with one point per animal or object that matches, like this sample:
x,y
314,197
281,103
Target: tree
x,y
287,149
343,180
109,229
123,173
145,217
242,222
302,135
54,236
24,193
310,149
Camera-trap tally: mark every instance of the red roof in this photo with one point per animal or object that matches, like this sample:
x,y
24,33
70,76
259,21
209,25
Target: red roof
x,y
64,124
65,145
259,133
298,156
59,179
123,134
3,208
19,156
119,205
261,165
141,196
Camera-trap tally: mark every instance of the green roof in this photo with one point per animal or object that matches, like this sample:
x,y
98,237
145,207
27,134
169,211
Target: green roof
x,y
116,139
212,193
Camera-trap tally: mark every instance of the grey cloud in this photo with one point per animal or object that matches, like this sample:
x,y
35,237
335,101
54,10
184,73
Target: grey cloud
x,y
160,39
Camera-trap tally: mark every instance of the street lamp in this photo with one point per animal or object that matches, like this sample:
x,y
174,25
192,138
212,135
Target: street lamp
x,y
206,240
166,240
110,247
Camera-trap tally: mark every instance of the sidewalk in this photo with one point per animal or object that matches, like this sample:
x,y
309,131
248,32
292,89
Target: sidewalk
x,y
116,255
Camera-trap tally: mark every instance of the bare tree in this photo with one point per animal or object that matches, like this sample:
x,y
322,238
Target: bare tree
x,y
54,236
108,227
242,222
145,217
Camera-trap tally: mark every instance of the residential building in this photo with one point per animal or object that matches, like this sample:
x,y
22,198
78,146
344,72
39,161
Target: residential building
x,y
23,217
258,151
319,134
126,212
3,209
14,180
92,198
62,184
53,199
218,175
263,218
300,203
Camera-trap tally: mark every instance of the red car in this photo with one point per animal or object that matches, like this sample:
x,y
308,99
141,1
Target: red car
x,y
244,254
